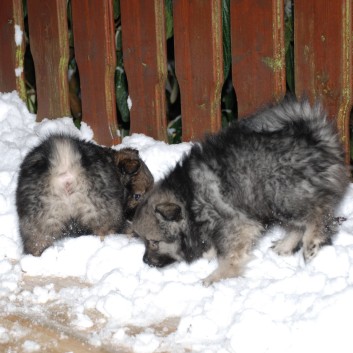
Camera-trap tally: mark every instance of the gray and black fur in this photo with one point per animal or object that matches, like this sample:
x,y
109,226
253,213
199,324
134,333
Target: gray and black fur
x,y
285,166
69,187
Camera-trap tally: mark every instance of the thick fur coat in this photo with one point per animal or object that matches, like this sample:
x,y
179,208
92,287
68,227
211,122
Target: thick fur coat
x,y
69,187
284,165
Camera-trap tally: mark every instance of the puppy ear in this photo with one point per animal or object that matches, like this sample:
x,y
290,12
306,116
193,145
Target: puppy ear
x,y
169,211
127,161
129,166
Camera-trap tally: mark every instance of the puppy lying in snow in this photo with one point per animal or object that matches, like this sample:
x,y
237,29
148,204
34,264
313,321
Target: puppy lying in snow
x,y
285,166
68,187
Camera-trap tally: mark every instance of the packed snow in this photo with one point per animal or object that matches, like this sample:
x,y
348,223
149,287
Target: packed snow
x,y
279,305
18,35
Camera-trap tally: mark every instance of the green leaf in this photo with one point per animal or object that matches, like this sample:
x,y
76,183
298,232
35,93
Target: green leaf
x,y
121,87
169,18
289,52
24,6
116,9
122,95
227,54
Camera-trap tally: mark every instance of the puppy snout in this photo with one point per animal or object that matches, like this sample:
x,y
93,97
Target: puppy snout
x,y
156,261
147,260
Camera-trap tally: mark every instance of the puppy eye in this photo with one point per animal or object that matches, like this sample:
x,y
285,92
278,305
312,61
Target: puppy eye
x,y
136,197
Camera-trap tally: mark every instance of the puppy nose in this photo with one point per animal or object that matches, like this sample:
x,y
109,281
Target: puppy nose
x,y
147,261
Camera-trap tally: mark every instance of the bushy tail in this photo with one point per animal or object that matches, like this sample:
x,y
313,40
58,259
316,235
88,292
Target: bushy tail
x,y
290,113
65,161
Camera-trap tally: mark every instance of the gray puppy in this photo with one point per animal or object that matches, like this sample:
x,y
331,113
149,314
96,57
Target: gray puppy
x,y
69,187
285,166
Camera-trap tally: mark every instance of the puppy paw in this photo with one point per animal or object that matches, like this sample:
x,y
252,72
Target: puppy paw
x,y
214,277
280,248
224,271
311,249
286,247
208,281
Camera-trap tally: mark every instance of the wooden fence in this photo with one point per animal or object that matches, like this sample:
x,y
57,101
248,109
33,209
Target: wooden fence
x,y
322,47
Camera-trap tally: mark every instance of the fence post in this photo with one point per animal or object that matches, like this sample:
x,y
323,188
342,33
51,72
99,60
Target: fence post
x,y
145,62
12,49
258,53
199,64
95,53
323,52
48,33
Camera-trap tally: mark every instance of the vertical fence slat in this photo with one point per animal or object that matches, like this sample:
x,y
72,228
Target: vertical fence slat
x,y
199,64
258,53
12,53
48,34
144,50
94,37
323,52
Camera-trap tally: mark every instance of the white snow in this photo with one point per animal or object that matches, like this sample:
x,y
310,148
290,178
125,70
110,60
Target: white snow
x,y
18,41
279,305
18,71
30,346
18,35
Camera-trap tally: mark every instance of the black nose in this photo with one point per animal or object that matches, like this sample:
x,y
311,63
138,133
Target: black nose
x,y
147,261
157,261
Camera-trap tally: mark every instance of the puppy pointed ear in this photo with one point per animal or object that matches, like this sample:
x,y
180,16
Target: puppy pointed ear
x,y
169,211
127,161
129,166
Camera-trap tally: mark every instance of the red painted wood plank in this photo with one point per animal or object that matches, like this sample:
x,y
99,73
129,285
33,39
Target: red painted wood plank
x,y
48,34
323,52
12,53
93,28
144,53
258,53
199,64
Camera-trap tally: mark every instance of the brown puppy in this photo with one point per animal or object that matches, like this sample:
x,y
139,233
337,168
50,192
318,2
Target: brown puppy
x,y
135,176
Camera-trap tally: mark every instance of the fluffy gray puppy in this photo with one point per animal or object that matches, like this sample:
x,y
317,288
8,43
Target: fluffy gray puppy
x,y
69,187
285,166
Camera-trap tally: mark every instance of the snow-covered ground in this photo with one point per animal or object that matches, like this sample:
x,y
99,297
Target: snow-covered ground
x,y
279,305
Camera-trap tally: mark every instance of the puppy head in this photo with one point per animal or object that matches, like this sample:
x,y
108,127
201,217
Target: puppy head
x,y
135,176
160,221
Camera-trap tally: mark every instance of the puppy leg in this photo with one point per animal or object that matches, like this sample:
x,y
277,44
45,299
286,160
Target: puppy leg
x,y
102,232
38,236
228,267
102,219
290,244
314,239
36,246
234,247
317,234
